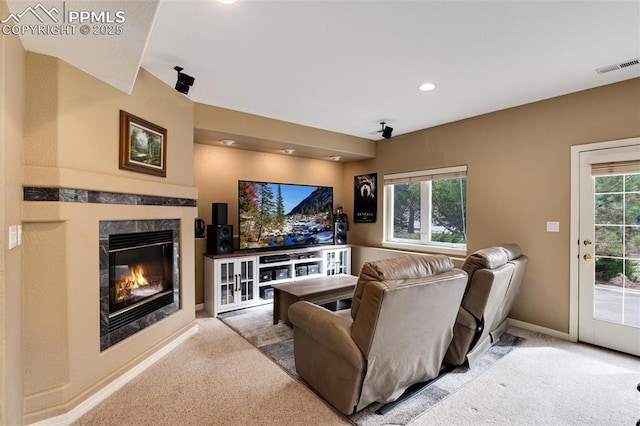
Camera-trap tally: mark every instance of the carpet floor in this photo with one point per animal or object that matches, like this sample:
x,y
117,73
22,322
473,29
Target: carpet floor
x,y
217,377
547,381
275,341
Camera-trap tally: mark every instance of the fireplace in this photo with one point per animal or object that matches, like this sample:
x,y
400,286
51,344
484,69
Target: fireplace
x,y
139,276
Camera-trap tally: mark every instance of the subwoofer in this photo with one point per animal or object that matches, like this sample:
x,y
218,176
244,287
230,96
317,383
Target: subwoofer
x,y
219,239
340,233
219,213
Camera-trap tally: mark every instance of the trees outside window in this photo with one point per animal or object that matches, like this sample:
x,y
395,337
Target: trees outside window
x,y
427,208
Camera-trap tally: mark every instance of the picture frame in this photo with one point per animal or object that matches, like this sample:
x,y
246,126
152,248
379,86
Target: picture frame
x,y
143,145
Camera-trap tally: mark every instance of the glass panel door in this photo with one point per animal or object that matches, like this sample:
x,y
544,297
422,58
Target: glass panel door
x,y
609,255
617,248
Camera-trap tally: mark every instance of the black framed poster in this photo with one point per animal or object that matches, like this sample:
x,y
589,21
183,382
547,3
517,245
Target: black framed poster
x,y
365,202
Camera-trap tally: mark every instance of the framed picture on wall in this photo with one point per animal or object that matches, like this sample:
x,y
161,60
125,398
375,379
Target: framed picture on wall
x,y
143,145
365,203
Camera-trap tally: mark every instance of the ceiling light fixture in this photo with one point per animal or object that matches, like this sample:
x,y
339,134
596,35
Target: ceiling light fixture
x,y
335,157
227,1
426,87
289,151
227,142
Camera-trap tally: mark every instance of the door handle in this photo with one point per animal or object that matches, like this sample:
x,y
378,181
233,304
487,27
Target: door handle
x,y
237,286
587,257
587,242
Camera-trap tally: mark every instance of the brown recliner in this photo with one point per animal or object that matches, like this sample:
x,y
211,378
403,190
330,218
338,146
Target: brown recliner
x,y
495,275
396,333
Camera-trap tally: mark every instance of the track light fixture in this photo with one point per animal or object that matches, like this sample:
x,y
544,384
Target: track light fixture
x,y
386,130
184,82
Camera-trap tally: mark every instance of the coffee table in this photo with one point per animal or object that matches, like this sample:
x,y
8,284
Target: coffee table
x,y
315,290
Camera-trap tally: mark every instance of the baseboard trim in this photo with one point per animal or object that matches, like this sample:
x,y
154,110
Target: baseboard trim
x,y
95,399
199,307
538,329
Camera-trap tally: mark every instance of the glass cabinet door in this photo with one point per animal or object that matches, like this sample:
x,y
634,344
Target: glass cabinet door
x,y
246,280
337,262
343,261
226,284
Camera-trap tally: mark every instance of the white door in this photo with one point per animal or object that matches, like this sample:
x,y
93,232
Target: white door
x,y
609,253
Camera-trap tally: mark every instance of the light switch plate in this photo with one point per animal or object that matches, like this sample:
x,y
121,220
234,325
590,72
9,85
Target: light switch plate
x,y
13,236
553,226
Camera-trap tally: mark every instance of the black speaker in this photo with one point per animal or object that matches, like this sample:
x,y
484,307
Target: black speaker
x,y
340,232
219,239
219,213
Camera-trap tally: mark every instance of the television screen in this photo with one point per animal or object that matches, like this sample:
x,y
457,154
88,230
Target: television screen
x,y
279,215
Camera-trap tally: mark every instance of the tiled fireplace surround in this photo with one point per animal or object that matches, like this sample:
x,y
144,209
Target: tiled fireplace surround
x,y
70,357
111,227
129,226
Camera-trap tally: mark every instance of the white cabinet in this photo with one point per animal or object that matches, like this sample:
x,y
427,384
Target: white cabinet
x,y
242,280
230,283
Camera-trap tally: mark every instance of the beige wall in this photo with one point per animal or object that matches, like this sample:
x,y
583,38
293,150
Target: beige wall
x,y
12,100
518,179
72,141
217,169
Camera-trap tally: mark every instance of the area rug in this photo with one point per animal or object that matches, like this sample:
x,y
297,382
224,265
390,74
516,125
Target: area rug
x,y
275,341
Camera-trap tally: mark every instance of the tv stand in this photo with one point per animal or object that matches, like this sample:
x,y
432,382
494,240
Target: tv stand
x,y
244,279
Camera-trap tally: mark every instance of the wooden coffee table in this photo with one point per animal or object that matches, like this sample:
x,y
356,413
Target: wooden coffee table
x,y
315,290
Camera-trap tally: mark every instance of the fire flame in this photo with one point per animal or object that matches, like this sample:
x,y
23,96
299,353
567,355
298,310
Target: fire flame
x,y
135,279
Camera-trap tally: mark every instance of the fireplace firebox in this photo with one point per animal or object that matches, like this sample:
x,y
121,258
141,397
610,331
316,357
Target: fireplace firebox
x,y
140,275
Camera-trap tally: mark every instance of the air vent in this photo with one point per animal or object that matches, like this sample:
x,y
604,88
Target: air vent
x,y
619,66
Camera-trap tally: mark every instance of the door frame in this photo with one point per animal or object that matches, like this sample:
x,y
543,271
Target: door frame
x,y
576,150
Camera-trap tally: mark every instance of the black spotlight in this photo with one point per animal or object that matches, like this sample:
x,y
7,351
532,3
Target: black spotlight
x,y
184,82
386,131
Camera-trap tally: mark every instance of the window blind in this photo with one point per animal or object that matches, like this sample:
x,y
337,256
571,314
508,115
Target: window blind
x,y
617,168
425,175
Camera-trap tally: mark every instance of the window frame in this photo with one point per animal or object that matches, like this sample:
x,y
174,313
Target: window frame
x,y
421,245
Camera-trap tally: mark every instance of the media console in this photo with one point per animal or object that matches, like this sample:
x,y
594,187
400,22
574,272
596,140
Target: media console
x,y
240,280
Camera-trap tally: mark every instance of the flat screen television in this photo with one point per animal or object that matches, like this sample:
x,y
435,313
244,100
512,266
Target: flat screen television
x,y
279,215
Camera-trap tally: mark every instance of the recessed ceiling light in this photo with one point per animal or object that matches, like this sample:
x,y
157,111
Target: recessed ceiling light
x,y
289,151
227,142
335,157
425,87
227,1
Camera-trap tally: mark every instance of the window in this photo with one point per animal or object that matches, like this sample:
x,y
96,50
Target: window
x,y
426,210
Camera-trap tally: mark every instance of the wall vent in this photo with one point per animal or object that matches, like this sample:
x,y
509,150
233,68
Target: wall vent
x,y
619,66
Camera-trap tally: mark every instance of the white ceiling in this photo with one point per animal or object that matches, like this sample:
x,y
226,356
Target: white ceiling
x,y
345,66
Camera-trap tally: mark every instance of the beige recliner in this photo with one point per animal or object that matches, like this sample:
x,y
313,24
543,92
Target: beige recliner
x,y
396,333
495,276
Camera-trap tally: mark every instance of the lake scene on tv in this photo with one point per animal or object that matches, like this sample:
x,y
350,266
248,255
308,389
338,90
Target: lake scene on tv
x,y
278,215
